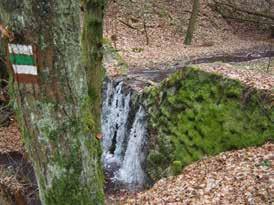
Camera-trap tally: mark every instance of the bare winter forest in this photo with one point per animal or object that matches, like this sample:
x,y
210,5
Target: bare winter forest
x,y
136,102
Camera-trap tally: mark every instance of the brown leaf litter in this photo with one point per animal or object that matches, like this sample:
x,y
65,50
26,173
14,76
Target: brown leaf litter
x,y
10,139
252,78
167,24
235,177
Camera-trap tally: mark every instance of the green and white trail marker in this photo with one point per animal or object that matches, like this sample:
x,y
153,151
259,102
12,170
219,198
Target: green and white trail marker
x,y
23,64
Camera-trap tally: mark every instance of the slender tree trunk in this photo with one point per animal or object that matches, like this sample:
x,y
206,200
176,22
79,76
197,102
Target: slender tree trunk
x,y
272,31
54,111
192,22
92,35
3,68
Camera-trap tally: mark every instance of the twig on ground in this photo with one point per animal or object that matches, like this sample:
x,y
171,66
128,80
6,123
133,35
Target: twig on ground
x,y
128,25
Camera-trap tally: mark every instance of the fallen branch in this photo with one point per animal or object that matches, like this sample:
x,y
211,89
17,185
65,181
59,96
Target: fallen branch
x,y
128,25
219,10
5,32
3,60
254,13
246,20
3,80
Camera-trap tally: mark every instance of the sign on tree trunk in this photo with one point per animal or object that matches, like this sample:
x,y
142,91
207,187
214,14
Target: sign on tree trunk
x,y
23,63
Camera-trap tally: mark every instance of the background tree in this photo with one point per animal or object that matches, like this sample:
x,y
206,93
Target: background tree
x,y
3,69
5,111
93,13
192,22
54,110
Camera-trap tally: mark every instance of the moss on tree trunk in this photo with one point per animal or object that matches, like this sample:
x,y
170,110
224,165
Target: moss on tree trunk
x,y
92,36
54,114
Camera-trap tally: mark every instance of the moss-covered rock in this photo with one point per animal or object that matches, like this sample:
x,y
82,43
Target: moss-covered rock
x,y
195,113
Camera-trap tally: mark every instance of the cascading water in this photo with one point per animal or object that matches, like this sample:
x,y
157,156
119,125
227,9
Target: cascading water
x,y
124,130
114,122
131,171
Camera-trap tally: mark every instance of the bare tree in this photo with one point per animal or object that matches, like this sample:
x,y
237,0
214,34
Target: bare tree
x,y
192,22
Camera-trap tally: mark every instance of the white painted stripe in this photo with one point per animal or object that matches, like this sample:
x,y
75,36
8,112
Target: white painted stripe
x,y
25,69
20,49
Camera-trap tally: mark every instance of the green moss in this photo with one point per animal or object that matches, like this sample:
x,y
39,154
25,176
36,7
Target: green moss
x,y
68,183
87,117
198,113
176,167
92,52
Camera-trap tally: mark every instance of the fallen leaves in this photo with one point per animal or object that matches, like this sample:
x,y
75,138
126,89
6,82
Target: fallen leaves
x,y
236,177
213,36
252,78
17,181
10,140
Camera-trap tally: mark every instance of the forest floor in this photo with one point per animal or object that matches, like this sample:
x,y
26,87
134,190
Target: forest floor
x,y
161,40
235,177
160,43
10,139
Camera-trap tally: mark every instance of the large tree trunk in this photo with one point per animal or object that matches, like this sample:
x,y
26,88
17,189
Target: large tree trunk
x,y
54,111
192,22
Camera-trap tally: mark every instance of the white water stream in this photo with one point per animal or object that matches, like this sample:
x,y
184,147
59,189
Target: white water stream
x,y
131,171
124,132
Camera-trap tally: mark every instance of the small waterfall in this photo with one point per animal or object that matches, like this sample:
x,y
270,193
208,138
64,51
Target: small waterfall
x,y
131,171
114,121
124,130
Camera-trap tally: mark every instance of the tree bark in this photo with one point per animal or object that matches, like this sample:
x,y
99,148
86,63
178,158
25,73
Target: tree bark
x,y
55,115
3,70
92,48
192,22
272,31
